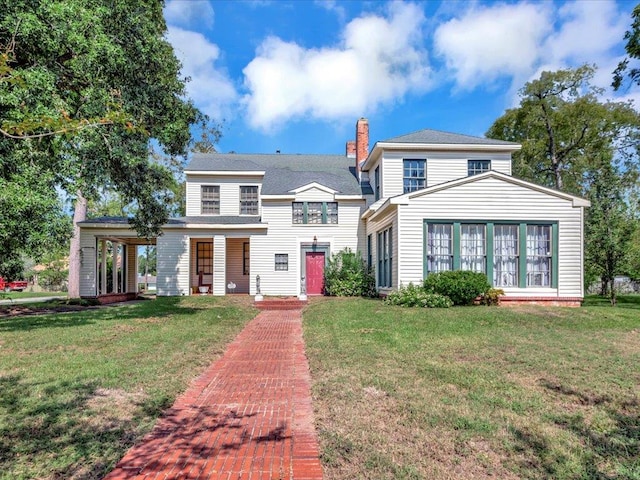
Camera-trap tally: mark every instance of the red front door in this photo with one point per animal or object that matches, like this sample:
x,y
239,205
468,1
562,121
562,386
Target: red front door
x,y
315,273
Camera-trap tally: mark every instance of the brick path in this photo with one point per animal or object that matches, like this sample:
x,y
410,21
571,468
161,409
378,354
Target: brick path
x,y
248,417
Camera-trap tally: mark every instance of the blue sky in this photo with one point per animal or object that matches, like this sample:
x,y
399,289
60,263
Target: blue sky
x,y
295,76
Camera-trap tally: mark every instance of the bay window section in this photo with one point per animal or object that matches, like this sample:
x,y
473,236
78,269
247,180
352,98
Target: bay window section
x,y
511,254
505,256
439,247
332,212
473,248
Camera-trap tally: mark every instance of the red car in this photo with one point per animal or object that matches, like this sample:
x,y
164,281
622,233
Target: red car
x,y
15,286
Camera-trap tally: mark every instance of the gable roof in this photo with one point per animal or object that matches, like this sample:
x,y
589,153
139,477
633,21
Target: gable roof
x,y
435,137
284,172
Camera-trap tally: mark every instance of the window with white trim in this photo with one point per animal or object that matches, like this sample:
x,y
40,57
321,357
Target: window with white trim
x,y
210,199
282,262
249,200
474,167
413,174
314,213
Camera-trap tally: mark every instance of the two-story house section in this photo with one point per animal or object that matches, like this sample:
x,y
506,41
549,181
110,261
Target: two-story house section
x,y
415,204
444,201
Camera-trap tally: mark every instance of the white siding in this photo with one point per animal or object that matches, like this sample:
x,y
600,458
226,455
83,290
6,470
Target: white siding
x,y
284,237
440,167
314,195
173,263
88,263
229,192
379,224
235,272
219,259
495,199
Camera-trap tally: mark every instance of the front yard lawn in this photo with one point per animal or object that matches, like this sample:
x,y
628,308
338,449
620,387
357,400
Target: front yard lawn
x,y
77,389
476,392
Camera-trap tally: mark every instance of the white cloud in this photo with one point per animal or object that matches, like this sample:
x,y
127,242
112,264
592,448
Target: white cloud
x,y
378,61
189,13
210,88
333,6
488,42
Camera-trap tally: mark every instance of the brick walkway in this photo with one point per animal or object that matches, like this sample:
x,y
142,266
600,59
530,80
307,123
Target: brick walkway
x,y
248,417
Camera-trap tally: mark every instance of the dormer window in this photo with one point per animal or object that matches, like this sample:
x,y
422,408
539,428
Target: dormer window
x,y
314,213
210,195
249,200
413,175
475,167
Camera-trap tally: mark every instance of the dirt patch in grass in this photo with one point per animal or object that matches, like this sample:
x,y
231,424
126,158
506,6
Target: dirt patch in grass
x,y
110,406
22,310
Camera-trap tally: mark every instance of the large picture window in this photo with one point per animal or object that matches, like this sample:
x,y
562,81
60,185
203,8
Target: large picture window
x,y
473,248
505,256
249,200
511,254
204,258
439,247
385,258
413,176
539,255
210,195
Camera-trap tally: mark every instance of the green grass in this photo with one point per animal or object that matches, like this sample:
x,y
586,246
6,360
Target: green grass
x,y
77,389
476,392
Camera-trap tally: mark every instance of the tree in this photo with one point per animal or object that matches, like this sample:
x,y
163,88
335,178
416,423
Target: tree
x,y
574,142
633,51
608,228
563,126
77,60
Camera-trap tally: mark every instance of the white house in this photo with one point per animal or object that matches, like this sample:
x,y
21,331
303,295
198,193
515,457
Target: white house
x,y
419,203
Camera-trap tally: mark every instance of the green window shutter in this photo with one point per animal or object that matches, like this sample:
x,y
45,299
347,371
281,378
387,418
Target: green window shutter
x,y
489,251
522,255
324,212
425,241
456,245
305,215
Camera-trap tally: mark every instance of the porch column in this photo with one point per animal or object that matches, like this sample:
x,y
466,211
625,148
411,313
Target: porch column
x,y
219,264
103,267
114,270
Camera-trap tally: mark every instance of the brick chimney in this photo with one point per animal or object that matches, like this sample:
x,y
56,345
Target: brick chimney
x,y
351,149
362,142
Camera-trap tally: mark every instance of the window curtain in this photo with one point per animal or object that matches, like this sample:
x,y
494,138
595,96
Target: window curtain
x,y
472,248
505,256
440,247
538,256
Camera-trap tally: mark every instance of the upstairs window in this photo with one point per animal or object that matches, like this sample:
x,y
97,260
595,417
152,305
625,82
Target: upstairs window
x,y
249,200
314,213
376,181
474,167
210,195
413,175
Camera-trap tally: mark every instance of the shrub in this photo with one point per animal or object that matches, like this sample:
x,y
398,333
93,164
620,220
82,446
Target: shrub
x,y
347,275
461,286
413,296
492,296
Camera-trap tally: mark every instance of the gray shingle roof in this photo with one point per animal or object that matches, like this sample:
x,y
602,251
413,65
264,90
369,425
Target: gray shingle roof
x,y
284,172
436,136
201,220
